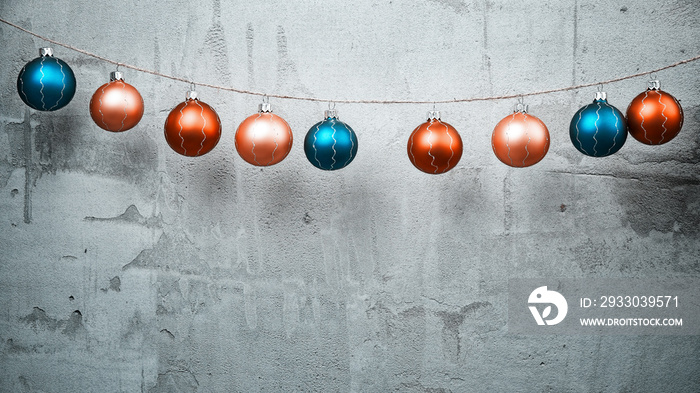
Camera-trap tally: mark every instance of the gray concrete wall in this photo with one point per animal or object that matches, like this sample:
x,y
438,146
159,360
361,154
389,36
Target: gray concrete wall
x,y
126,267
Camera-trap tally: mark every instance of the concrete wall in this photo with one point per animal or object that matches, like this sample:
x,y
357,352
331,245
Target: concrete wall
x,y
126,267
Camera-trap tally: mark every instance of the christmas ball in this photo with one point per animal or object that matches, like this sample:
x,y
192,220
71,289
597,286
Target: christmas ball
x,y
264,138
192,128
598,129
46,83
654,117
116,106
330,144
520,140
434,147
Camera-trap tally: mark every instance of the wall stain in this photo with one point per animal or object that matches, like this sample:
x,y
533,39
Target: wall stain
x,y
250,306
663,204
452,321
74,325
250,39
171,252
459,7
27,385
11,347
28,166
156,55
175,381
131,215
410,387
286,68
62,145
592,257
12,137
486,57
39,320
167,333
114,285
215,41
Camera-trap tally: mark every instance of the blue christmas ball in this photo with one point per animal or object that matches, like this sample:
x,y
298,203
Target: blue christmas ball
x,y
598,129
46,83
330,144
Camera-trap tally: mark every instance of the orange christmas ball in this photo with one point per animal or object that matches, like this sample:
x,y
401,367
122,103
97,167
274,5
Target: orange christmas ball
x,y
520,140
654,117
192,128
264,139
116,106
434,147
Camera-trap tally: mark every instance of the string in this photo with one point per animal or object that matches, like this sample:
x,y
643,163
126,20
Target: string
x,y
343,101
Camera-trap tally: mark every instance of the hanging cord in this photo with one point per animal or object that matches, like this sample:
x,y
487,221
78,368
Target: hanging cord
x,y
340,101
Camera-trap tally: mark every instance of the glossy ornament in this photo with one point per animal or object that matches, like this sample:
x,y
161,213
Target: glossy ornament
x,y
192,128
264,139
654,117
116,106
330,144
434,147
520,140
598,129
46,83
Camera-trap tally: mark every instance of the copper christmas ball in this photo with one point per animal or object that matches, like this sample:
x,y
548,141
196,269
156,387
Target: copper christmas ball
x,y
192,128
520,140
434,147
264,138
116,106
654,117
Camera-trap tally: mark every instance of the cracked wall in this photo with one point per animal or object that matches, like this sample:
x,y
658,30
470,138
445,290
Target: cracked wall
x,y
126,267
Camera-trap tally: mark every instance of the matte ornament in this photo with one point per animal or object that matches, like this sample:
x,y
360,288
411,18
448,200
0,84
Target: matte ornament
x,y
434,147
330,144
116,106
598,129
654,117
46,83
264,139
520,140
192,128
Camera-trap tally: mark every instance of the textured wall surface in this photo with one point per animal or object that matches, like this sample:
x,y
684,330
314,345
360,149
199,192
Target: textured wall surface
x,y
126,267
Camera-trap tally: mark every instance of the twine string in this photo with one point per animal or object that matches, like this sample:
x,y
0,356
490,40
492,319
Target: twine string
x,y
346,101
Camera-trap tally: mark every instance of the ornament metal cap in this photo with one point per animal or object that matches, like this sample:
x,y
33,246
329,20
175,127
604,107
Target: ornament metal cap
x,y
265,106
116,76
520,107
191,95
653,84
45,52
433,115
600,96
330,114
